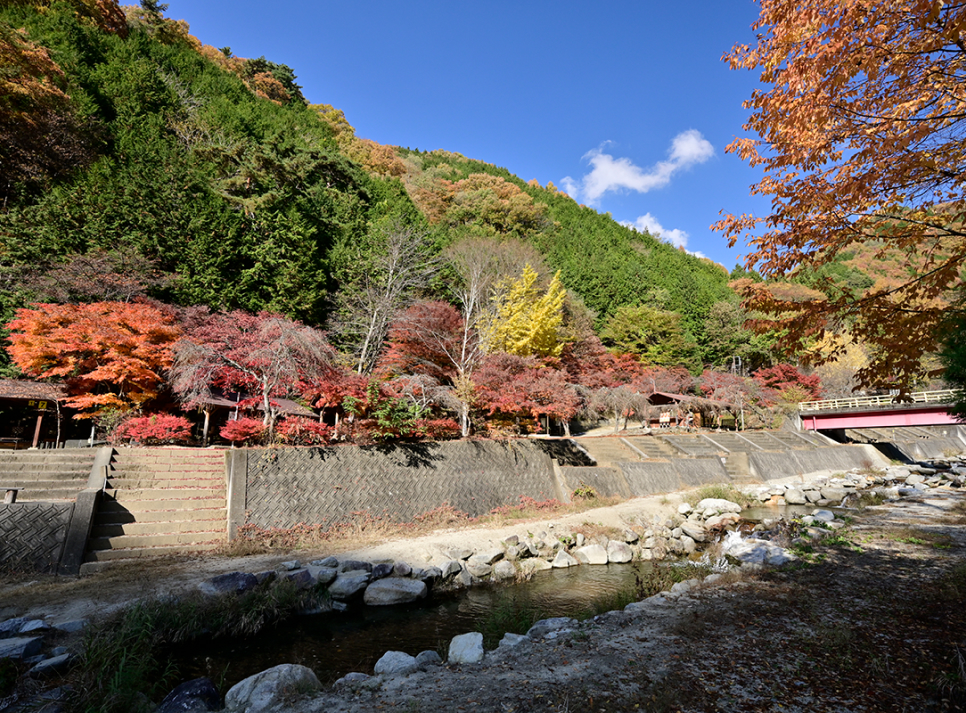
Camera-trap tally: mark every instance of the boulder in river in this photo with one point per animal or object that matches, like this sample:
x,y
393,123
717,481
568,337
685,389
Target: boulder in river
x,y
466,648
270,690
396,663
394,590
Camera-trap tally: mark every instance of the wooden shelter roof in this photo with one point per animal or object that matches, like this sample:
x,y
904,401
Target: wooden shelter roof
x,y
660,398
26,390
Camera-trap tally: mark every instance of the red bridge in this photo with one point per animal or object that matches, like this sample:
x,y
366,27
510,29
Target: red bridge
x,y
925,408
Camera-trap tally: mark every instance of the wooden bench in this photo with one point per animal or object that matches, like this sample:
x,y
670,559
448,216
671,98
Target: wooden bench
x,y
10,494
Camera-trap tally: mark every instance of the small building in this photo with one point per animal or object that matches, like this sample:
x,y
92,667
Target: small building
x,y
223,406
32,414
685,410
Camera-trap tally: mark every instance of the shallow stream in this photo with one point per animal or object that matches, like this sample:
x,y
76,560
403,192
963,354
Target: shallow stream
x,y
334,644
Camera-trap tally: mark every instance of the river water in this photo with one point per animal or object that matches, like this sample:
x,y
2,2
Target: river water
x,y
333,644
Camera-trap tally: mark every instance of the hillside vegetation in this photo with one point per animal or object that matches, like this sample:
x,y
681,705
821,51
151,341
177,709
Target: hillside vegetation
x,y
138,163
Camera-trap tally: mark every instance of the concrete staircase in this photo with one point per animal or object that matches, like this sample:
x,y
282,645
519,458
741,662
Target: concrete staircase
x,y
159,501
607,451
653,447
47,474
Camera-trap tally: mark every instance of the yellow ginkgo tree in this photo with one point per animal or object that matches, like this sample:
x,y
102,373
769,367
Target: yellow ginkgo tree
x,y
525,322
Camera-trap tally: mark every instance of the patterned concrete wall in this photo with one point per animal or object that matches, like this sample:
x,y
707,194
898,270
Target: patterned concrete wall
x,y
285,487
607,482
32,535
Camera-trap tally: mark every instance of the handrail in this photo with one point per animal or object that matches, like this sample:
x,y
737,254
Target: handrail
x,y
920,397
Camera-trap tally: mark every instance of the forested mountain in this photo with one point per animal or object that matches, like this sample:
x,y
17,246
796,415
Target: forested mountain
x,y
124,133
136,160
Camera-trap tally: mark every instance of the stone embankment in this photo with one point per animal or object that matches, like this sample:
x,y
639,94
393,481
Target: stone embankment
x,y
378,583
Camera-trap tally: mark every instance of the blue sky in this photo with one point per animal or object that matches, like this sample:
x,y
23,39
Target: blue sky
x,y
627,105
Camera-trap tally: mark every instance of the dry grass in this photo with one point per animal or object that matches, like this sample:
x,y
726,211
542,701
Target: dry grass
x,y
596,531
364,528
720,491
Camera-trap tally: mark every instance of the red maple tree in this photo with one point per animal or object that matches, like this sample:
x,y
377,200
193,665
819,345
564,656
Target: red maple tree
x,y
111,355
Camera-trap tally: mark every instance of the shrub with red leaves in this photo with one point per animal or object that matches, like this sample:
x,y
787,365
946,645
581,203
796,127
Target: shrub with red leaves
x,y
155,429
304,432
437,428
242,430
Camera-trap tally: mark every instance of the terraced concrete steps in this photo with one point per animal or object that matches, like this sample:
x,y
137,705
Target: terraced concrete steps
x,y
160,501
653,446
47,475
607,451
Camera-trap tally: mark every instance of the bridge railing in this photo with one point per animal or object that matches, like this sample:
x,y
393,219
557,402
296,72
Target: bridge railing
x,y
920,397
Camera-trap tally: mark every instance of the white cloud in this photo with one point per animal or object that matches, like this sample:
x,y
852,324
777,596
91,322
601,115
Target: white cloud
x,y
570,187
648,223
612,174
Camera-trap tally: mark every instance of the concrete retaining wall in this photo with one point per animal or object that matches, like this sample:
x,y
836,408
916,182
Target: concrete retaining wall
x,y
50,536
771,466
925,448
637,479
285,487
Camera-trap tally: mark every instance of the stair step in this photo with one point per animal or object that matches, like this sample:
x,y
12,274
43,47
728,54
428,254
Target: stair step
x,y
151,481
44,483
133,542
212,524
102,557
157,517
39,496
52,468
178,494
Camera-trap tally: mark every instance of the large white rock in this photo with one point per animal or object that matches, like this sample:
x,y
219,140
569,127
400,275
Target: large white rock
x,y
271,691
591,554
20,647
466,648
349,583
754,551
396,663
794,496
695,530
489,556
503,570
478,566
394,590
718,505
619,552
563,559
529,566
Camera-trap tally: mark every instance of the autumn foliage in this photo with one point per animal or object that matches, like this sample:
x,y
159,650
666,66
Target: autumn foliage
x,y
303,432
861,138
790,383
111,355
265,355
155,429
242,430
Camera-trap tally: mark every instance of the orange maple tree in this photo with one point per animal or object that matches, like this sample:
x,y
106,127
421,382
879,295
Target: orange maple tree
x,y
111,355
861,135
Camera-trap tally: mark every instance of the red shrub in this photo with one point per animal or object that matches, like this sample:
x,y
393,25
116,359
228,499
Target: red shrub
x,y
304,432
437,428
242,430
155,429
